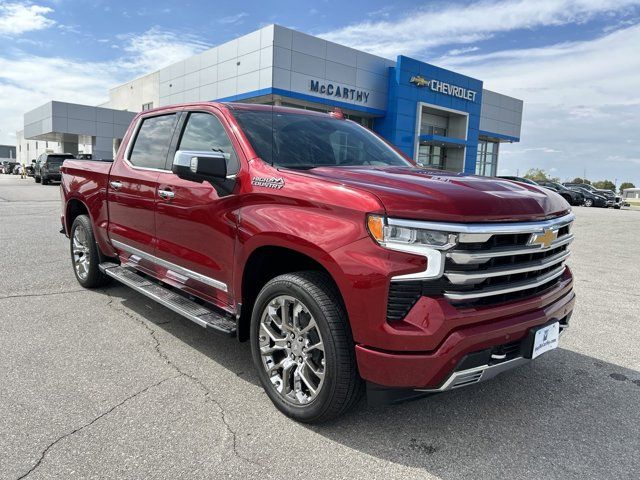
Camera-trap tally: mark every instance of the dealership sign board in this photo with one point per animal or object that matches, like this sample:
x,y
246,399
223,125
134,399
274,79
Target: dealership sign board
x,y
337,91
443,87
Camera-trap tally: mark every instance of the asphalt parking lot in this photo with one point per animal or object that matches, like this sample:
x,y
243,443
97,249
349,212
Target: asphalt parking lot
x,y
107,384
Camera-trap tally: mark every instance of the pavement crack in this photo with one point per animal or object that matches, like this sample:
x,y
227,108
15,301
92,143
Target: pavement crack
x,y
48,448
46,294
208,394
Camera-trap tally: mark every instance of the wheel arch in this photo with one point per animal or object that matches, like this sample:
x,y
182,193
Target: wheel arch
x,y
74,208
266,262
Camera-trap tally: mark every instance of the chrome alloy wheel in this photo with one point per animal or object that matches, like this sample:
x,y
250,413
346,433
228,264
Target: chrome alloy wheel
x,y
291,349
81,252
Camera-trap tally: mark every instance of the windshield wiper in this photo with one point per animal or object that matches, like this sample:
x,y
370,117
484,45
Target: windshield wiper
x,y
298,167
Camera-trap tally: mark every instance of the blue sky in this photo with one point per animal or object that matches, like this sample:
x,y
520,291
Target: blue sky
x,y
575,63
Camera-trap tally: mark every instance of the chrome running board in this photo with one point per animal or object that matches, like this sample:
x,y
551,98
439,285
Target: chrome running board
x,y
203,316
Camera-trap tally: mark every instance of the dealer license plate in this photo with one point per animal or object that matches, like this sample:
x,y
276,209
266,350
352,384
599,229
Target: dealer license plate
x,y
546,339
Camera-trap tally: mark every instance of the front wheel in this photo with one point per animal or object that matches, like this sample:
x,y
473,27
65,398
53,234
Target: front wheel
x,y
44,180
37,179
84,254
588,202
302,347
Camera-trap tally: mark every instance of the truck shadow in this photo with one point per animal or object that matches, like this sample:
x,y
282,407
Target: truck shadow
x,y
567,415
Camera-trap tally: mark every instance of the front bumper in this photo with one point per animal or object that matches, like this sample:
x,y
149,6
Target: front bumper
x,y
439,370
490,364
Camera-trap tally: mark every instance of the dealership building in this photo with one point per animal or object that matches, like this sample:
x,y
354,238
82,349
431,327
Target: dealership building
x,y
440,118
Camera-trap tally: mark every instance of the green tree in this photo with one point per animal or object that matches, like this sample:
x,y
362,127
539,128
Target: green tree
x,y
537,175
605,185
581,180
625,185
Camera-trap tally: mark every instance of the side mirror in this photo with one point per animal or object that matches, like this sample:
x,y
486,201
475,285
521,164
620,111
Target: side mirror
x,y
199,166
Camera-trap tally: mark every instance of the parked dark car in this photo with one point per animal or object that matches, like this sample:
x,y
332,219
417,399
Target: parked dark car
x,y
9,167
30,169
590,199
518,179
84,156
612,199
47,167
571,196
14,168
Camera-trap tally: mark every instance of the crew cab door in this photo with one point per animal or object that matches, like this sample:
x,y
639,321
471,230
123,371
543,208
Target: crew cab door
x,y
196,221
133,185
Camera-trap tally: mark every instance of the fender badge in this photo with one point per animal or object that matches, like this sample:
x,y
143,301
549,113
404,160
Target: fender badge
x,y
276,183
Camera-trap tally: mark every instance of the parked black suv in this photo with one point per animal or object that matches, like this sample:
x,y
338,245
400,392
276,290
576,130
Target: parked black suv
x,y
591,199
571,196
47,167
613,200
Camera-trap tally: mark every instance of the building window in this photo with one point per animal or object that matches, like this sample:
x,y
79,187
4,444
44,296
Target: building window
x,y
147,106
487,159
432,156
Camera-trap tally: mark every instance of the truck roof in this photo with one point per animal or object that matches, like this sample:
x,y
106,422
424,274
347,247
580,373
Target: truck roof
x,y
241,106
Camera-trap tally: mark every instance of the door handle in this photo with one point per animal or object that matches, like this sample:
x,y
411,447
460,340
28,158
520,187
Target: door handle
x,y
166,194
115,185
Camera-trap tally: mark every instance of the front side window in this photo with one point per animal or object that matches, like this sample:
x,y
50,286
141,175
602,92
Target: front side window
x,y
204,133
151,145
294,140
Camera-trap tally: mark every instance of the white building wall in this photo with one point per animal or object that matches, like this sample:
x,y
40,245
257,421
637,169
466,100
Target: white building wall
x,y
132,95
501,114
276,57
27,150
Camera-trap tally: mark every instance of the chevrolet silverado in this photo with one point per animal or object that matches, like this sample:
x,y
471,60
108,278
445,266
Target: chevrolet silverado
x,y
348,267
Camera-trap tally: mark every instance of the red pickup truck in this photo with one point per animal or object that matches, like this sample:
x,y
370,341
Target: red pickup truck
x,y
348,267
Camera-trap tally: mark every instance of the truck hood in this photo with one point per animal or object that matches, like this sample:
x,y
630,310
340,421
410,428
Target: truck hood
x,y
415,193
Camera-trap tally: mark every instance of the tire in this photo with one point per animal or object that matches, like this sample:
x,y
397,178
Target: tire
x,y
82,245
44,180
341,386
588,202
37,179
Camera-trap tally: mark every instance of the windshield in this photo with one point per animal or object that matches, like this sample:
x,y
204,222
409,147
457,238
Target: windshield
x,y
296,140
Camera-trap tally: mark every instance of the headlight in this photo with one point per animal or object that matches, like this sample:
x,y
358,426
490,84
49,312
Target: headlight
x,y
384,234
427,243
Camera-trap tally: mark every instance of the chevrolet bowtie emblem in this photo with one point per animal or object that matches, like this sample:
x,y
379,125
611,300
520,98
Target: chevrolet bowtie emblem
x,y
419,81
544,239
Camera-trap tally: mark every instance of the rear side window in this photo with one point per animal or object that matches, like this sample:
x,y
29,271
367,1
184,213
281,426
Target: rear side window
x,y
152,142
204,133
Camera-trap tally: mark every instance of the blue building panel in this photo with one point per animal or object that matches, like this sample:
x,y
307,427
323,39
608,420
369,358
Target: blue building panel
x,y
434,86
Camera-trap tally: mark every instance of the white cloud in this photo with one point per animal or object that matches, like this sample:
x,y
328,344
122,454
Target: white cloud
x,y
157,48
18,18
459,51
233,19
581,104
464,23
22,87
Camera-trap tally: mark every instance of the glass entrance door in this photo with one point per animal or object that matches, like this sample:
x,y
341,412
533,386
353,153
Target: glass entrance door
x,y
432,156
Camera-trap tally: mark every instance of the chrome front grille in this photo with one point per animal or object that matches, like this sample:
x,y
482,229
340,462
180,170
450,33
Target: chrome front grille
x,y
490,263
485,264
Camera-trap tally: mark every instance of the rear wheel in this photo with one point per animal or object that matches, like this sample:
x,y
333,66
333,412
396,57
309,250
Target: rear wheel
x,y
302,347
44,180
588,202
36,178
85,257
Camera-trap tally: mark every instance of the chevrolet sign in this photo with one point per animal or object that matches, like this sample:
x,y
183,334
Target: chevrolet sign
x,y
443,87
